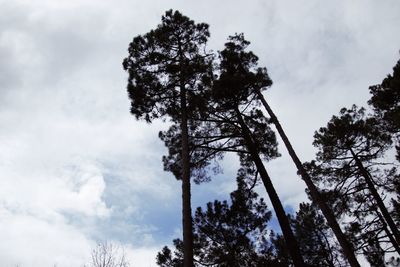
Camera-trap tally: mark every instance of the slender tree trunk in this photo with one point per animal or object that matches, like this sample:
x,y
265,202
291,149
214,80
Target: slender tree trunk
x,y
291,242
377,197
347,248
186,197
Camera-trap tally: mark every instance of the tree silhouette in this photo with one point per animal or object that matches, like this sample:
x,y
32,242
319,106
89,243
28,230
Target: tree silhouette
x,y
244,127
239,85
375,254
313,190
202,158
348,148
315,237
167,68
385,99
396,202
228,234
232,123
108,255
349,196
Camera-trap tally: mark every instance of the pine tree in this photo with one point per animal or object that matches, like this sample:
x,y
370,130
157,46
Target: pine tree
x,y
349,147
313,190
232,123
385,100
228,234
375,254
314,235
317,245
167,69
238,118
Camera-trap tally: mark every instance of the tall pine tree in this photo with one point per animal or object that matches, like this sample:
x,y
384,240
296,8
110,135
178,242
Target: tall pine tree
x,y
313,190
168,67
236,111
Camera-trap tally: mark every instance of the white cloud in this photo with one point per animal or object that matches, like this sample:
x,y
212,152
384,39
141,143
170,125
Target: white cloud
x,y
144,256
35,242
50,195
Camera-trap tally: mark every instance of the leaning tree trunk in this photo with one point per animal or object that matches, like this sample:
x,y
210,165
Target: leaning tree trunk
x,y
290,240
377,197
347,248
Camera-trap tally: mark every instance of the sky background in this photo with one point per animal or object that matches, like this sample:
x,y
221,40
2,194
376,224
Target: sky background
x,y
76,168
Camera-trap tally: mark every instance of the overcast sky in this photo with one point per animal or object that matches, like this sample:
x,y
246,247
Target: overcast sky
x,y
76,168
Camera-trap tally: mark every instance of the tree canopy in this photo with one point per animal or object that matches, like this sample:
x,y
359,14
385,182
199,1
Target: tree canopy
x,y
212,102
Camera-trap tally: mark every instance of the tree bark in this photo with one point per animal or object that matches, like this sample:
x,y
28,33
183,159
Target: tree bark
x,y
186,196
290,240
347,248
381,205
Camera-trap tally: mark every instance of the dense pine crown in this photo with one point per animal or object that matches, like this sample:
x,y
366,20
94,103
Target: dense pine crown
x,y
162,60
352,130
234,89
349,165
386,99
239,74
317,246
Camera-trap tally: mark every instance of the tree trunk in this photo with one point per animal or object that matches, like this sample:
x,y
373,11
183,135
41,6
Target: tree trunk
x,y
377,197
186,197
348,251
291,242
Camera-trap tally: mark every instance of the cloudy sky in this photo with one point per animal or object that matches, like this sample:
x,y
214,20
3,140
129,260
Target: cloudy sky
x,y
76,168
